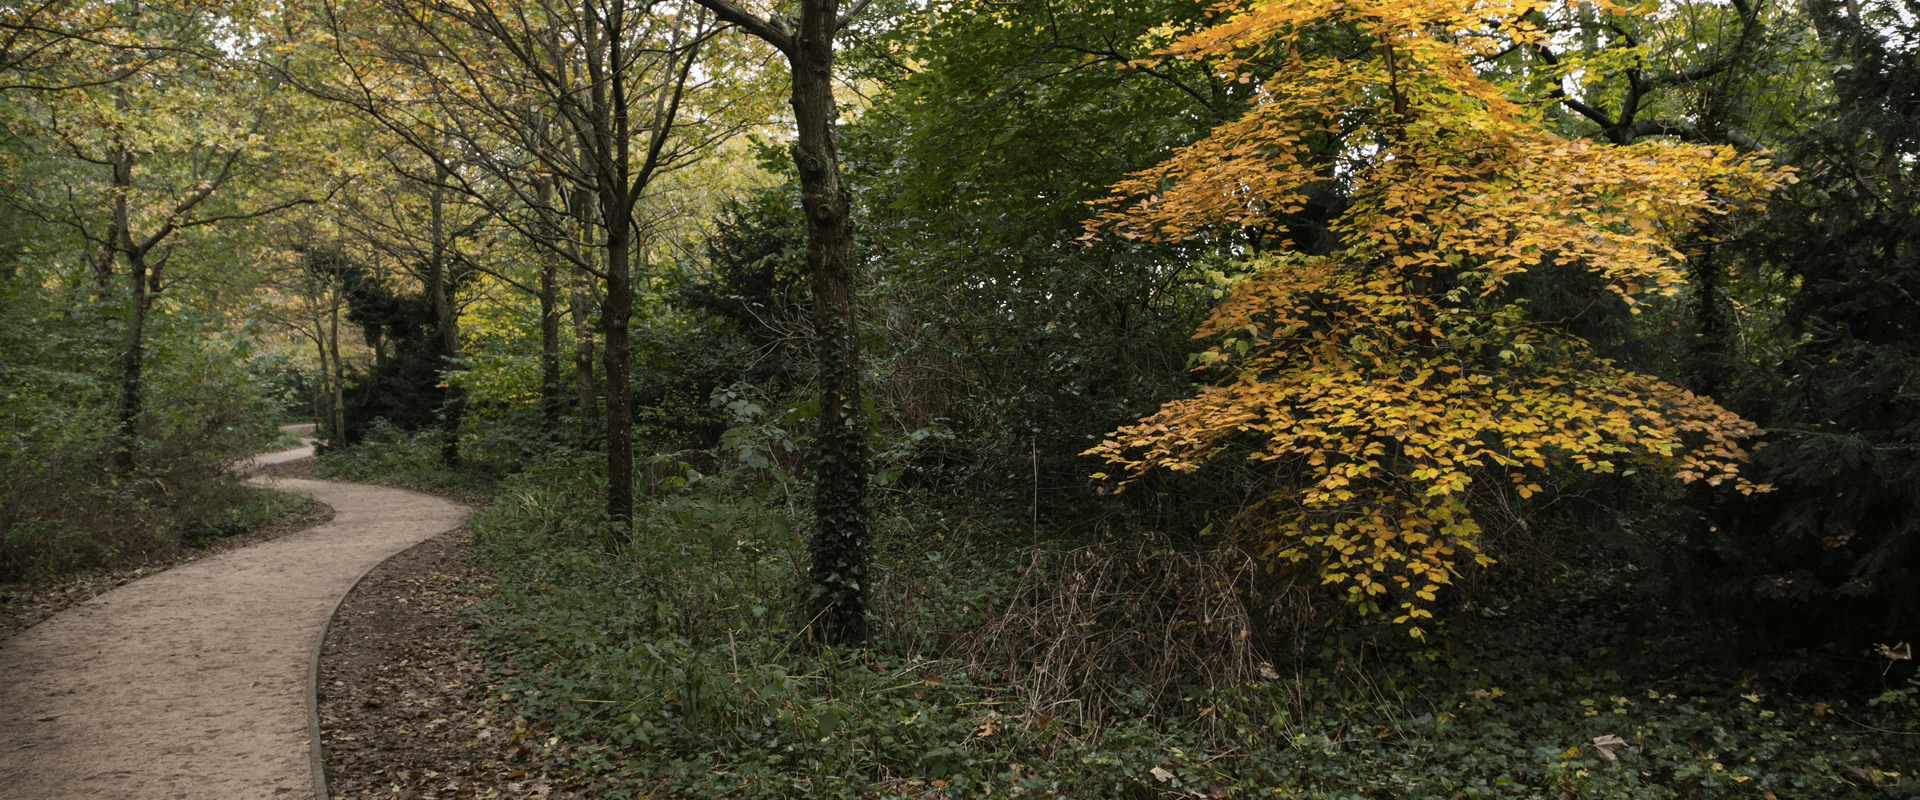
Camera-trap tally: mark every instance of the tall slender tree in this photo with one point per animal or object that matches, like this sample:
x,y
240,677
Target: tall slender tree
x,y
840,462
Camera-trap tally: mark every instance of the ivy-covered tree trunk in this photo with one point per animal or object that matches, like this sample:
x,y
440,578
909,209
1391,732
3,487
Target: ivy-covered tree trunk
x,y
132,360
839,461
139,300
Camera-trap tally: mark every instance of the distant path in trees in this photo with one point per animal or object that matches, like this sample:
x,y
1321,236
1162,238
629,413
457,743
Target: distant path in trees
x,y
194,683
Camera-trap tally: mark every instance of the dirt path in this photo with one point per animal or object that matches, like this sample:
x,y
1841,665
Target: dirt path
x,y
194,683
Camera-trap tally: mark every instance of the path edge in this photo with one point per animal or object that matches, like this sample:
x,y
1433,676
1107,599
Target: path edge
x,y
318,751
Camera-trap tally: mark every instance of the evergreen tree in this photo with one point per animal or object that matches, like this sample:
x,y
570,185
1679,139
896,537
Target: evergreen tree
x,y
1830,554
404,385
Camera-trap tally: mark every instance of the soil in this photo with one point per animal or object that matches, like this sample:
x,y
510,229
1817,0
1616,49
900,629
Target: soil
x,y
404,694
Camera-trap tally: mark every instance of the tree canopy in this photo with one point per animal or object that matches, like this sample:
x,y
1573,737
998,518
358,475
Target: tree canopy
x,y
1393,374
1080,397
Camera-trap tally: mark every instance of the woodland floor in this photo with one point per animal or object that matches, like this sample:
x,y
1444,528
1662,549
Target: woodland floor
x,y
404,709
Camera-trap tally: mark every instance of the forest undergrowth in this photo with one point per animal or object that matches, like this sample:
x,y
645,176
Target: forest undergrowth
x,y
64,509
677,666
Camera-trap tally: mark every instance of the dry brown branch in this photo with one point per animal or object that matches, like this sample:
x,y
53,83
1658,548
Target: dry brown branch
x,y
1136,627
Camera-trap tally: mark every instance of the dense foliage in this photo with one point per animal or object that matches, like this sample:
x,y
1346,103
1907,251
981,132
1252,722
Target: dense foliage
x,y
61,506
1089,409
1389,377
1840,536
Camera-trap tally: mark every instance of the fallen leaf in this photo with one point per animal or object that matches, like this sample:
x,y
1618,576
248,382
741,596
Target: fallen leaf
x,y
1608,745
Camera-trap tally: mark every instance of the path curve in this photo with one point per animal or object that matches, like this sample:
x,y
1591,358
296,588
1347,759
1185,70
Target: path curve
x,y
193,683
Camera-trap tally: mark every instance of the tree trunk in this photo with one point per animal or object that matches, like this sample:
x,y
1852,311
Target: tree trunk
x,y
443,309
839,462
838,548
550,393
322,393
133,358
332,352
616,313
550,399
581,306
608,144
132,377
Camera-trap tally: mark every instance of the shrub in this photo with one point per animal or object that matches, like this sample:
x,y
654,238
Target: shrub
x,y
61,505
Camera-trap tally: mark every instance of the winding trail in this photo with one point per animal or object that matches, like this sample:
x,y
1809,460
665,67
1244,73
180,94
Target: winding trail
x,y
195,682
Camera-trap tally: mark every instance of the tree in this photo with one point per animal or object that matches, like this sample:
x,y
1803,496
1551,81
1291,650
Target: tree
x,y
423,231
41,42
1397,384
176,142
840,463
556,118
1673,72
1832,553
972,172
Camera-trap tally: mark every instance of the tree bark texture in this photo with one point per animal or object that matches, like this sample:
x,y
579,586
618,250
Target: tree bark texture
x,y
839,545
133,358
550,394
337,388
580,305
550,399
616,313
840,459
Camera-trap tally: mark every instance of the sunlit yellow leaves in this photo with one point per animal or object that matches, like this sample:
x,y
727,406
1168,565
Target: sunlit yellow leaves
x,y
1396,382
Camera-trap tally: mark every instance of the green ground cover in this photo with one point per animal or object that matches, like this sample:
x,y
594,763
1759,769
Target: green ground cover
x,y
676,668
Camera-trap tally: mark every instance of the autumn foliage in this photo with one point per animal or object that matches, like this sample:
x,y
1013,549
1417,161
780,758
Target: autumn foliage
x,y
1400,375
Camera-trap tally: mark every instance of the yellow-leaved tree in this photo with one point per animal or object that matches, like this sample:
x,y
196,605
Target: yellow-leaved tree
x,y
1391,378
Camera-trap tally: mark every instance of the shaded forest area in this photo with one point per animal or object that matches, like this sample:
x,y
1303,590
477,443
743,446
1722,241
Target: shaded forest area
x,y
1393,398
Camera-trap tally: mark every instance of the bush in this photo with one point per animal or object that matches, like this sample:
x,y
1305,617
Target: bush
x,y
388,454
676,666
61,505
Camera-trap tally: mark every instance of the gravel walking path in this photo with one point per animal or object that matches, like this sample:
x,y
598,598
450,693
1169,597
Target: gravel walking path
x,y
194,683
